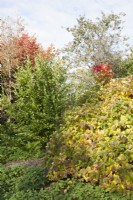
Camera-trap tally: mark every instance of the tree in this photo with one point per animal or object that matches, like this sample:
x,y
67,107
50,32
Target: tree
x,y
15,48
28,48
96,42
10,29
41,96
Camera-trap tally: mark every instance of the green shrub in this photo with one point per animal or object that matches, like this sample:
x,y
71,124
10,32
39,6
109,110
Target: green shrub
x,y
40,98
69,189
30,183
95,144
15,147
127,65
17,180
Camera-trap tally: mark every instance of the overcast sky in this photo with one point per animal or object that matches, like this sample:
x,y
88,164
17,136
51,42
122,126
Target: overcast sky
x,y
48,19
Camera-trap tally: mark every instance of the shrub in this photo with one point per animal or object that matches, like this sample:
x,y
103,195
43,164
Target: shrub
x,y
95,144
19,183
40,98
18,180
102,72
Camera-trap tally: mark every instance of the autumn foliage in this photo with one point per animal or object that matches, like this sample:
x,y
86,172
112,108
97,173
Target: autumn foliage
x,y
102,72
14,55
96,142
29,48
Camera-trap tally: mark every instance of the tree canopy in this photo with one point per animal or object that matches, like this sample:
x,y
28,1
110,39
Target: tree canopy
x,y
97,41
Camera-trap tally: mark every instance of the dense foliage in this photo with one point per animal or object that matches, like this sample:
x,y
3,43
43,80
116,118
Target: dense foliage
x,y
95,145
66,124
16,46
19,183
41,96
128,65
102,72
29,48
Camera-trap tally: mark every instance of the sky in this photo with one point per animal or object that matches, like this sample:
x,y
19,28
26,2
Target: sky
x,y
48,19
